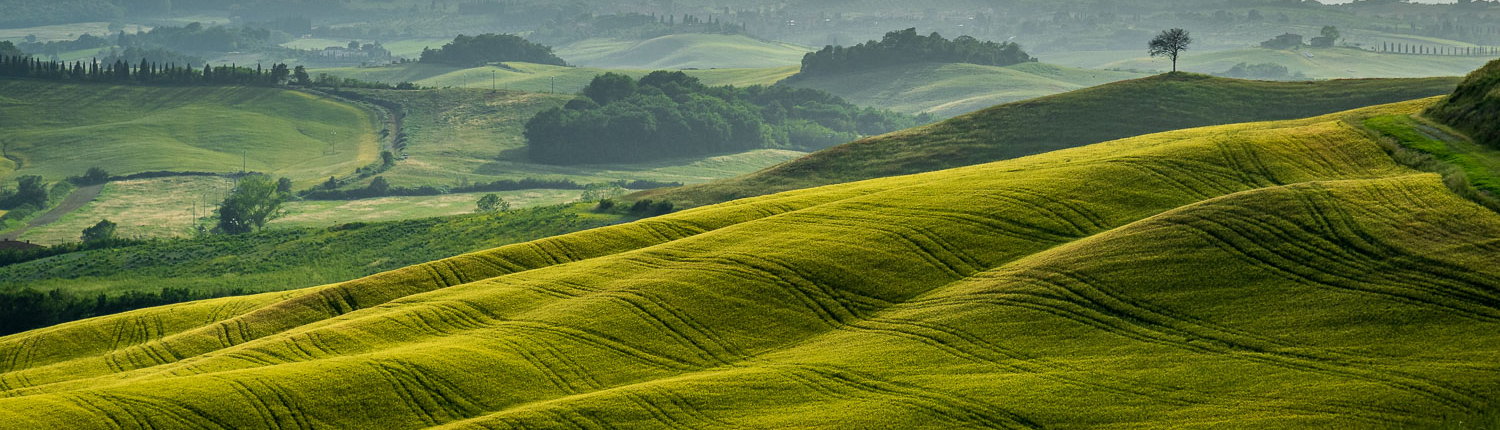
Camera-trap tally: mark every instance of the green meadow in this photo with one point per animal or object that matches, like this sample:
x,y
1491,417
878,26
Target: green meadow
x,y
174,207
1112,111
58,130
951,89
473,135
1231,276
290,257
538,78
141,208
682,51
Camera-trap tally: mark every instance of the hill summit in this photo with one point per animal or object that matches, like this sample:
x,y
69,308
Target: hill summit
x,y
1475,106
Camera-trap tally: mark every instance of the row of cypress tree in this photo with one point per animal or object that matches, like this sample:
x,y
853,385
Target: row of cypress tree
x,y
144,72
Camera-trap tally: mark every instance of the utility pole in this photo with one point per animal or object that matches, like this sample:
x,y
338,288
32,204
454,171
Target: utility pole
x,y
244,161
492,81
554,85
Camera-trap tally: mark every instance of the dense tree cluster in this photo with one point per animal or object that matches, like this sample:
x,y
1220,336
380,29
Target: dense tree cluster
x,y
8,49
906,46
86,41
671,114
30,13
490,48
145,72
195,37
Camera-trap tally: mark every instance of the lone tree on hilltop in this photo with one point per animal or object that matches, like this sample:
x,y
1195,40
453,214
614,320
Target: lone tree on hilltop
x,y
1170,44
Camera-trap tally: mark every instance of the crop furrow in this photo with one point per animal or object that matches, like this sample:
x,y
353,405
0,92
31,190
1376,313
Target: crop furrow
x,y
1153,325
604,342
953,407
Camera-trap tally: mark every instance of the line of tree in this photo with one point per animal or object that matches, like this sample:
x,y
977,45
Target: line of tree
x,y
670,114
145,72
1407,48
906,46
155,73
490,48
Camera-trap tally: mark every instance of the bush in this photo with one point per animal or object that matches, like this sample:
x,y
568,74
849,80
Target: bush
x,y
104,230
94,176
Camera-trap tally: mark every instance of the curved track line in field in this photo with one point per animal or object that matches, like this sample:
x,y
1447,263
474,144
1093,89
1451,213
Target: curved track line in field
x,y
74,201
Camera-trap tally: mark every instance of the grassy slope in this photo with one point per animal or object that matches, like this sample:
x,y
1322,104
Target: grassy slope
x,y
1112,111
142,208
681,51
1325,63
58,130
164,208
287,258
458,134
950,89
538,77
1267,275
409,48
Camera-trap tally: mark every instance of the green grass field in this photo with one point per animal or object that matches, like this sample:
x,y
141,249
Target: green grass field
x,y
681,51
142,208
1267,275
951,89
315,213
538,77
476,135
48,33
1317,63
407,48
290,257
58,130
1113,111
166,208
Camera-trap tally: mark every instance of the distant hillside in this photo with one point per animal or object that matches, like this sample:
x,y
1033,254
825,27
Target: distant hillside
x,y
1475,106
951,89
1266,275
682,51
1317,63
58,130
1122,109
538,77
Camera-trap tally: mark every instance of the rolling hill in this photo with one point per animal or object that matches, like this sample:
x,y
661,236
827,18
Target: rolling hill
x,y
1271,275
538,77
951,89
1113,111
474,135
683,51
1316,63
58,130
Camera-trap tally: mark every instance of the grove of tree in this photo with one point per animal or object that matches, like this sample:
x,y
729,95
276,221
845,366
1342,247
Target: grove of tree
x,y
670,114
906,46
490,48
